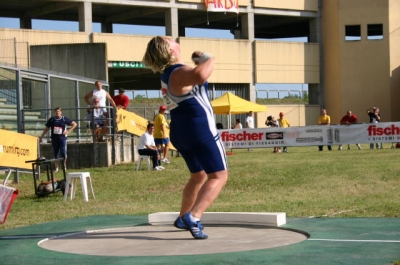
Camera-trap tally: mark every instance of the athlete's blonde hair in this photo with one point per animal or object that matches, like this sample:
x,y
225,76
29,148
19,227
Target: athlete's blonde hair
x,y
158,55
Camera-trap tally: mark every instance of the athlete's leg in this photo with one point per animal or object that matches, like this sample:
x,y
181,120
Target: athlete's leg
x,y
63,150
191,190
205,197
209,192
56,144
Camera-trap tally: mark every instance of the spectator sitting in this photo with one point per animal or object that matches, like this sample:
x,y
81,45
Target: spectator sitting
x,y
97,119
237,125
147,146
219,126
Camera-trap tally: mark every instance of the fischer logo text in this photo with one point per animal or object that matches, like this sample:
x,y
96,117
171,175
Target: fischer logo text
x,y
391,130
244,136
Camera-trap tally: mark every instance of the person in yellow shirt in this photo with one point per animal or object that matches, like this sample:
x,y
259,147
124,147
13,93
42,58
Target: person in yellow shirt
x,y
160,133
324,119
283,123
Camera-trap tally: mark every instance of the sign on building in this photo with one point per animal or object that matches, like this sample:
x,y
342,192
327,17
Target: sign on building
x,y
122,64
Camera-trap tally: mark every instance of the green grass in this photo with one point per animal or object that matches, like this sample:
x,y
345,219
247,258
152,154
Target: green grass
x,y
302,183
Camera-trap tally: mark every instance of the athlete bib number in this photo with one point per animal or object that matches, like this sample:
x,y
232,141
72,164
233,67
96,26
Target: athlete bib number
x,y
57,130
167,100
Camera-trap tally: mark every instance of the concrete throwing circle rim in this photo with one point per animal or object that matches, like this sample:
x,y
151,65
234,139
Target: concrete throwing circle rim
x,y
150,240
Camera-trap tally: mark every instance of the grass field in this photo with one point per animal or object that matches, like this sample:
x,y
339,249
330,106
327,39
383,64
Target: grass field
x,y
302,183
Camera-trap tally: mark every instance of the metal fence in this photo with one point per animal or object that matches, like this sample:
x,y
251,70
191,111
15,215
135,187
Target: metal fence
x,y
260,93
281,93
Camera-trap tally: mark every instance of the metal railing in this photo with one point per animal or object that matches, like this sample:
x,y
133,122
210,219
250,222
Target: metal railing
x,y
260,93
10,95
281,93
81,131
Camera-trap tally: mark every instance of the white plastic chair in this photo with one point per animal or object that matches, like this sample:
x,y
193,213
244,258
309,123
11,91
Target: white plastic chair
x,y
71,179
140,160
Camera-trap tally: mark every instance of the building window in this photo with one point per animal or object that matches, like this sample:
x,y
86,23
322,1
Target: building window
x,y
353,33
375,32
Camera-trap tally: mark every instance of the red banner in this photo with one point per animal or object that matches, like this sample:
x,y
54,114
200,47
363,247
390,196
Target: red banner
x,y
222,5
7,197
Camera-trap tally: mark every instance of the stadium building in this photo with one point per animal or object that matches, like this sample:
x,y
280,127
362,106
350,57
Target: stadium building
x,y
349,58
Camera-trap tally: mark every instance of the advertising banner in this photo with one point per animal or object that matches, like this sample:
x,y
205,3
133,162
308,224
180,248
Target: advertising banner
x,y
131,122
16,148
222,5
312,135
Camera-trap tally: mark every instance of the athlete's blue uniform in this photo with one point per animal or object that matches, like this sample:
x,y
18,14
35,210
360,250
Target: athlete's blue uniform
x,y
58,140
193,130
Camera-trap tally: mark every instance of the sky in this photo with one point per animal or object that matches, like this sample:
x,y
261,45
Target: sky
x,y
150,30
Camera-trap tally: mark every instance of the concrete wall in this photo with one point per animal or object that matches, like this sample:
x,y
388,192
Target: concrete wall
x,y
284,62
40,37
295,62
307,5
311,5
87,60
233,58
357,73
122,47
85,155
365,64
11,47
297,115
233,65
394,38
331,66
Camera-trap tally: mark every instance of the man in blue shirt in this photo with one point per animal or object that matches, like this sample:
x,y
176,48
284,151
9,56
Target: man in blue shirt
x,y
59,132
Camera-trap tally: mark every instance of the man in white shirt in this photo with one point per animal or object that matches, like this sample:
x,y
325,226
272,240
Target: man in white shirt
x,y
250,124
101,95
147,146
250,121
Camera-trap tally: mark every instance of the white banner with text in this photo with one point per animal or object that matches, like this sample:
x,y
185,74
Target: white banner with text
x,y
312,135
222,5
